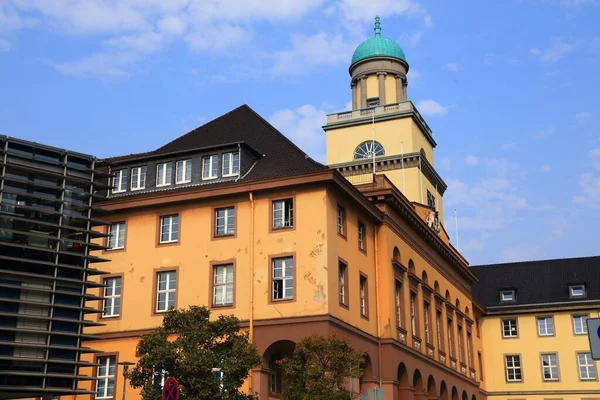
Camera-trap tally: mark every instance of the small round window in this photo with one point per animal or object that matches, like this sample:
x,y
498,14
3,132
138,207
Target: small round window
x,y
368,149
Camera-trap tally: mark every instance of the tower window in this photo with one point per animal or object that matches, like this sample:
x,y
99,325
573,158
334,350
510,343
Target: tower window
x,y
367,149
430,200
373,101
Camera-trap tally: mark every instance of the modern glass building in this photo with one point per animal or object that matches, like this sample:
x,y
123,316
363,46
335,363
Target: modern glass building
x,y
47,231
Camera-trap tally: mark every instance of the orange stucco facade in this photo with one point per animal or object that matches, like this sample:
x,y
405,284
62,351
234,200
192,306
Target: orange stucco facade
x,y
398,247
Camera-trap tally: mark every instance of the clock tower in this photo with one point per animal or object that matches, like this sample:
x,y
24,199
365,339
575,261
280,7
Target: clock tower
x,y
384,132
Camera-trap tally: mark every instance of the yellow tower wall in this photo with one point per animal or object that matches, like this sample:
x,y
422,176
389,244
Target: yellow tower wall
x,y
390,89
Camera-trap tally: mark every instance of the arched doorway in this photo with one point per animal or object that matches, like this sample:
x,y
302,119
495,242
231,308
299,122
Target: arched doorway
x,y
404,385
419,386
431,388
270,376
443,391
454,393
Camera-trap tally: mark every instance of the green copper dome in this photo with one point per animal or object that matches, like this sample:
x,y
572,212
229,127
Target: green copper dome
x,y
377,46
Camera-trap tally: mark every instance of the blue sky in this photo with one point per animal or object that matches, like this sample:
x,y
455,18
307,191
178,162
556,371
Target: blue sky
x,y
510,89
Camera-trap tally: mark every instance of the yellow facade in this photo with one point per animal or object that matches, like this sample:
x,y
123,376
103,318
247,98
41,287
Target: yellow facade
x,y
530,346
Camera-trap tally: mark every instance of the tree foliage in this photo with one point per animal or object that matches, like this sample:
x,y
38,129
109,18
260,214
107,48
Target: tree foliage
x,y
188,346
319,368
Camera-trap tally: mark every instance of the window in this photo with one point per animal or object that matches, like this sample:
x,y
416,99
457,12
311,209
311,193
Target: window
x,y
138,178
105,386
438,329
223,285
426,321
225,221
210,167
513,368
283,278
183,171
477,326
169,229
430,200
507,295
413,314
231,164
509,328
165,291
545,326
342,280
120,181
116,240
164,174
550,367
275,375
219,375
283,213
160,376
580,324
480,364
112,297
361,236
364,299
373,102
470,349
366,150
398,299
459,340
450,338
341,221
577,291
587,366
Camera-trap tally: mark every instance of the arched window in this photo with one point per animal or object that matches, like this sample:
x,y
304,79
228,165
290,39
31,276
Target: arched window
x,y
366,150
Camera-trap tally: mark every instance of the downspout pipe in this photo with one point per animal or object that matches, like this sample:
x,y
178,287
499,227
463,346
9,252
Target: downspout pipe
x,y
251,302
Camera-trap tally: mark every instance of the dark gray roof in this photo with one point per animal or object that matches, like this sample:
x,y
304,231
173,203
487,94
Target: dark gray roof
x,y
537,282
280,157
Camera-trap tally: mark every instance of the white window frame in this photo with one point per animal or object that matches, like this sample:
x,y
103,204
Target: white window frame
x,y
438,329
342,282
543,322
218,372
164,174
341,219
171,221
583,318
233,169
286,281
121,177
588,365
470,349
574,288
220,289
461,354
362,290
551,359
140,182
413,317
398,301
286,208
362,228
507,295
450,337
170,294
106,362
426,306
514,358
163,374
229,214
113,244
112,299
511,328
213,171
183,165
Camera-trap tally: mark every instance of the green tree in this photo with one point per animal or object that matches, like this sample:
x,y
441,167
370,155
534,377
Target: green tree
x,y
319,368
188,346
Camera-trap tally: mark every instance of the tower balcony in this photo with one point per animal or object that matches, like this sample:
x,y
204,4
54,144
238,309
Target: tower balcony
x,y
403,109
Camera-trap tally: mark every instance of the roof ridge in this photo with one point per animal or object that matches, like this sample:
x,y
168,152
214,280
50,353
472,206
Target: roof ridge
x,y
534,261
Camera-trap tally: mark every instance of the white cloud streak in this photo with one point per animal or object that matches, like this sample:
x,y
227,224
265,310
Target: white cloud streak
x,y
558,49
431,108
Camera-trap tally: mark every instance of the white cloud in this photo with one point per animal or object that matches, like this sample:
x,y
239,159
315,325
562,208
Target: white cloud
x,y
5,45
471,160
303,126
231,35
521,252
103,64
451,66
589,183
360,10
147,42
558,49
432,108
172,25
584,116
545,168
310,51
509,147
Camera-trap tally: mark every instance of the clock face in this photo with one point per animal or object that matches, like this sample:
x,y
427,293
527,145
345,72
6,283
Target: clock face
x,y
368,149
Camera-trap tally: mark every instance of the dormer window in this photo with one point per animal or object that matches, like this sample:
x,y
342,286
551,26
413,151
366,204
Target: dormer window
x,y
231,164
120,181
210,167
138,178
164,173
577,291
183,171
507,295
